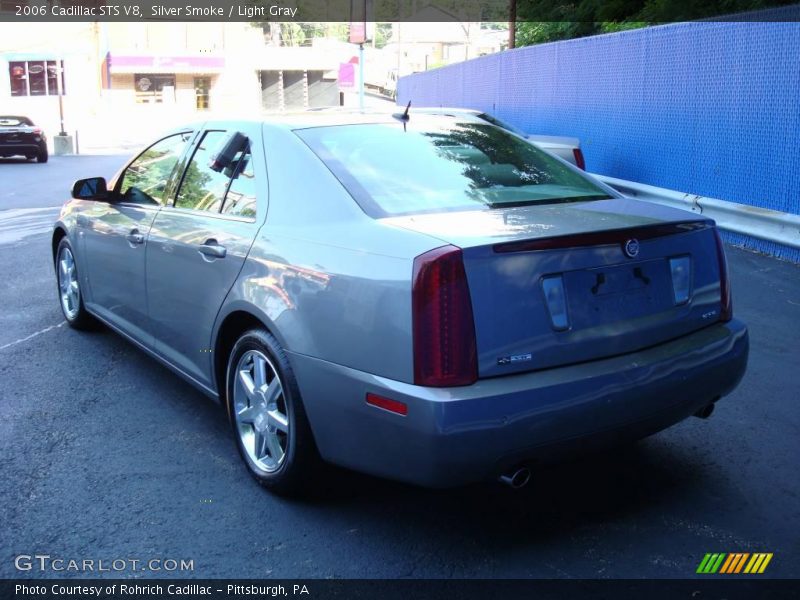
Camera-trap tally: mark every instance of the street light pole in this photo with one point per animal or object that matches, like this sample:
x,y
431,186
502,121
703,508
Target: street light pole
x,y
361,76
59,75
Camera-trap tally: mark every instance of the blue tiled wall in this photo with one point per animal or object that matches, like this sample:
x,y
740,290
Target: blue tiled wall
x,y
707,108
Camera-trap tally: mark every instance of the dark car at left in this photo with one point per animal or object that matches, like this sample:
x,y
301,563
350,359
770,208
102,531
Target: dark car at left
x,y
20,137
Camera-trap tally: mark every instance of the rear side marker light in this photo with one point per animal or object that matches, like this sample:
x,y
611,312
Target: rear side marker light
x,y
556,299
387,404
681,269
726,302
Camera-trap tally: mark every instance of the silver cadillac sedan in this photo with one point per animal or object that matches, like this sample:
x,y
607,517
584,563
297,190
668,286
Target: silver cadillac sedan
x,y
422,297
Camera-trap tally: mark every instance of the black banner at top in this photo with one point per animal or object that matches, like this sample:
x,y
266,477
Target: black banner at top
x,y
584,11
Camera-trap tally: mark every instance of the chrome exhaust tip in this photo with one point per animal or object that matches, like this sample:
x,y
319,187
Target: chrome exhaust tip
x,y
705,412
517,478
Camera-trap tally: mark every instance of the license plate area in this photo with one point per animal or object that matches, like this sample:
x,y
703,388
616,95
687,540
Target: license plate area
x,y
617,293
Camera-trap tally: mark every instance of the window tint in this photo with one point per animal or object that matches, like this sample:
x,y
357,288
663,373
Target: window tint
x,y
434,165
203,188
145,180
241,198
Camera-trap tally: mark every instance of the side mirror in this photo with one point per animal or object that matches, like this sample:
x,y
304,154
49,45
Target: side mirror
x,y
227,152
93,188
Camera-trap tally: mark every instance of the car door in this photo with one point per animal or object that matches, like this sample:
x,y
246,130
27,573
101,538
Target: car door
x,y
114,236
198,244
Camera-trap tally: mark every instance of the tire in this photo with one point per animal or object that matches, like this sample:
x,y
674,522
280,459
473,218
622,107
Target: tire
x,y
42,156
269,423
69,291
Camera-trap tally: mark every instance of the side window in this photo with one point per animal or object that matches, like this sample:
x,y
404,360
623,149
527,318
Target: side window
x,y
241,198
145,179
203,188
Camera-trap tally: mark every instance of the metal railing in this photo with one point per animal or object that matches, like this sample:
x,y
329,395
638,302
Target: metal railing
x,y
763,223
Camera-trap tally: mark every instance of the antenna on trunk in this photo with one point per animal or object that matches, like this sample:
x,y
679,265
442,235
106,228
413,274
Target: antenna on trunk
x,y
404,116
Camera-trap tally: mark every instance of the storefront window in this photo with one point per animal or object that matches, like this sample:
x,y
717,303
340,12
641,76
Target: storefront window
x,y
156,88
35,77
52,78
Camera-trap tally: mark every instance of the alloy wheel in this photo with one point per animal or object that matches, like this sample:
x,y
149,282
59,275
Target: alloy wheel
x,y
260,410
68,287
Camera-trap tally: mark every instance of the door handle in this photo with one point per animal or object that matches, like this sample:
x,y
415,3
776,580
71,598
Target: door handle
x,y
134,237
212,249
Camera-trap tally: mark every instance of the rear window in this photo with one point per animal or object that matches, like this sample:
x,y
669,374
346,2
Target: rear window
x,y
15,122
437,166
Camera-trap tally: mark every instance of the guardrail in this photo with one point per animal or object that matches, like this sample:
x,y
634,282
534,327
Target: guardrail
x,y
763,223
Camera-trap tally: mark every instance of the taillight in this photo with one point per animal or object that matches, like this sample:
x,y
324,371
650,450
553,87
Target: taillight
x,y
726,302
578,154
445,352
37,132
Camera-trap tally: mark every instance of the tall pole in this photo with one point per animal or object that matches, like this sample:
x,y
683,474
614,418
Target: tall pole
x,y
59,75
361,76
512,24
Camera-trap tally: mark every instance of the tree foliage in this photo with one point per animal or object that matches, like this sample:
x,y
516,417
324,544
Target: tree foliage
x,y
544,21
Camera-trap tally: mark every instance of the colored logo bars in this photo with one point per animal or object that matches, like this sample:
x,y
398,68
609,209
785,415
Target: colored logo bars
x,y
736,562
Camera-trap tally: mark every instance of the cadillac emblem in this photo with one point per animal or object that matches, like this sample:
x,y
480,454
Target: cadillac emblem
x,y
631,248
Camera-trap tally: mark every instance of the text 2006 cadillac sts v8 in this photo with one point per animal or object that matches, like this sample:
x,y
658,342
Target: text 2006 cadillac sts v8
x,y
422,297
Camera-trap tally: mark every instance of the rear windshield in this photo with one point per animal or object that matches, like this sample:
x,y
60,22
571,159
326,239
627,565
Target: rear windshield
x,y
438,166
15,122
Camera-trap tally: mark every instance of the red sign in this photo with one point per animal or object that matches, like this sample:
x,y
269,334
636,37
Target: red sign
x,y
358,32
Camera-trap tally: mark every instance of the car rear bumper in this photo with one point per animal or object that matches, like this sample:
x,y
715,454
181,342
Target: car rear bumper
x,y
452,436
22,148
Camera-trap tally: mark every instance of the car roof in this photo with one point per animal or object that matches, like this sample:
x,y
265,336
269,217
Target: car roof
x,y
19,118
333,116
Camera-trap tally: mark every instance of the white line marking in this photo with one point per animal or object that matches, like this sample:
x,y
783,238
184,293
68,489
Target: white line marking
x,y
33,335
9,213
17,224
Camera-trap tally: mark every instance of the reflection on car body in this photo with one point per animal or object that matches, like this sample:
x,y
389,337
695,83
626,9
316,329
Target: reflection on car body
x,y
436,301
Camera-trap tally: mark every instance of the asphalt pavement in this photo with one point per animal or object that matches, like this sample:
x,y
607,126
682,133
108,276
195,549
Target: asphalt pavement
x,y
105,454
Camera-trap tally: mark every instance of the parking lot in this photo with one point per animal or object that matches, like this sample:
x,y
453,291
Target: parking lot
x,y
106,454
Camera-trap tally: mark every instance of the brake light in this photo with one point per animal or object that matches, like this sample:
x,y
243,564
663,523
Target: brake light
x,y
37,132
726,301
579,161
445,352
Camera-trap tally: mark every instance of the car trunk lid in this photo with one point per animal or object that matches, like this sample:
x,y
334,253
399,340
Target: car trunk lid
x,y
609,266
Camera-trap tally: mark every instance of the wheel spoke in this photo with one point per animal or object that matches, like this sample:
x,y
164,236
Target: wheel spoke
x,y
261,442
273,391
259,371
247,414
275,450
247,384
278,420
